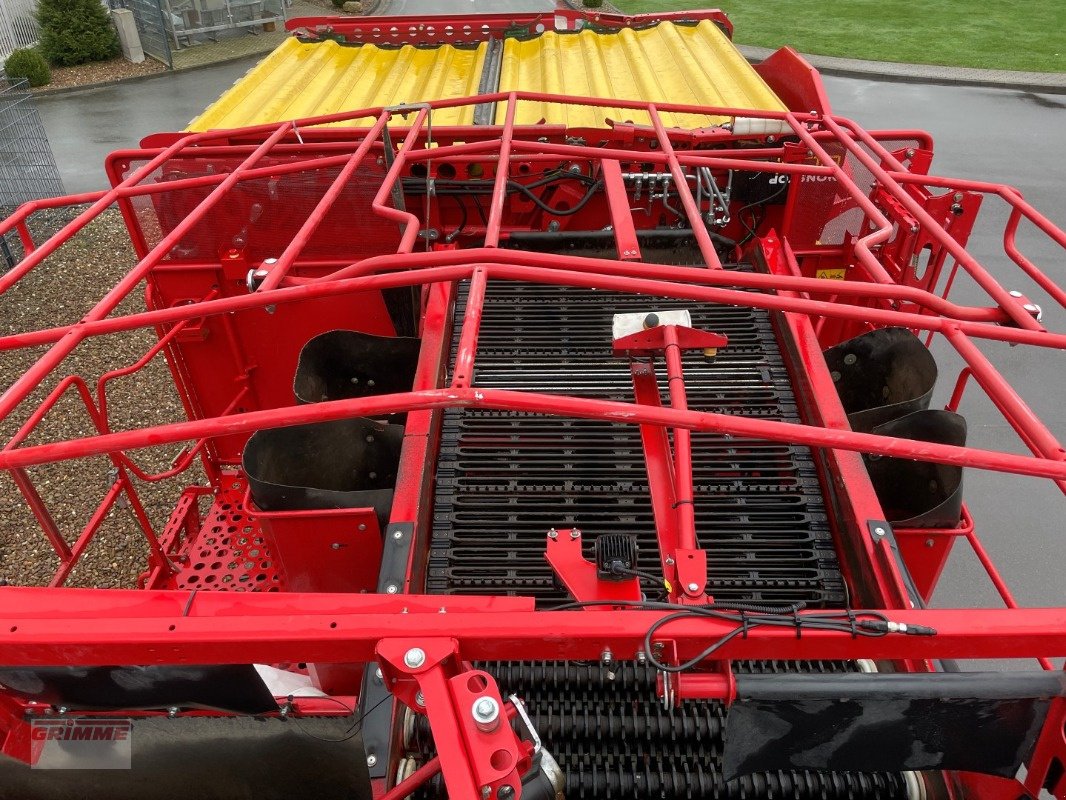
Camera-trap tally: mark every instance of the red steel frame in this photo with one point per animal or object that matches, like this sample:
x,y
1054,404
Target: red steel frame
x,y
43,626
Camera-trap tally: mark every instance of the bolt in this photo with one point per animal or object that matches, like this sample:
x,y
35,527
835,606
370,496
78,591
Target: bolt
x,y
420,699
336,545
415,657
172,712
1015,293
371,760
486,712
553,534
362,526
392,588
651,321
486,791
397,535
879,531
693,587
928,542
378,676
669,561
505,792
642,657
910,152
63,710
575,533
606,657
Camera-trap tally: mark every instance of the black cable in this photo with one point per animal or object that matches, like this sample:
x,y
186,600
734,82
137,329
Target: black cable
x,y
752,229
480,209
353,730
747,616
451,237
618,569
580,204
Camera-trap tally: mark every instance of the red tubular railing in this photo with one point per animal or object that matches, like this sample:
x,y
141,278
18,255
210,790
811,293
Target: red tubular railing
x,y
284,283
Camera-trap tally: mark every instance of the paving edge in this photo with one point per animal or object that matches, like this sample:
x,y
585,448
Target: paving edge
x,y
140,78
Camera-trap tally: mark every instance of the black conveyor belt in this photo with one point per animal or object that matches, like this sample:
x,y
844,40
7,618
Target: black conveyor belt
x,y
504,479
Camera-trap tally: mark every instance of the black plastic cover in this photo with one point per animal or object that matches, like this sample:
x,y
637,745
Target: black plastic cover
x,y
346,463
235,688
970,721
881,375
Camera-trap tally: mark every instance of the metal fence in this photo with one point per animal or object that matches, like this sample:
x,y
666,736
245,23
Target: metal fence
x,y
27,166
150,16
18,25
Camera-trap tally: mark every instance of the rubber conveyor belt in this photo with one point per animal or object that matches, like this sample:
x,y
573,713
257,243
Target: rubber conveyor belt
x,y
504,479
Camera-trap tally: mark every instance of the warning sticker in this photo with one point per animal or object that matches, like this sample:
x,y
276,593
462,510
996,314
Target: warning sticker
x,y
836,274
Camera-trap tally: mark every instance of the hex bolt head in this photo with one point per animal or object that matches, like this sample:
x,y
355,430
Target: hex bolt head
x,y
371,760
505,792
486,713
693,587
397,535
420,699
392,588
415,657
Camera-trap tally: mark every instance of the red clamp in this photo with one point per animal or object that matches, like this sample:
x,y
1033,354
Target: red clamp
x,y
480,754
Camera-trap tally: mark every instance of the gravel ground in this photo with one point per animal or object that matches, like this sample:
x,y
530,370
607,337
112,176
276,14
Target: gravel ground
x,y
99,72
60,291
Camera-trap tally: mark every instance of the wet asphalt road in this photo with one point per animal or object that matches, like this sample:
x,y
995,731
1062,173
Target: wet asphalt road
x,y
980,133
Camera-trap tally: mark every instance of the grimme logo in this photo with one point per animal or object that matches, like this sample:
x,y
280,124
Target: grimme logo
x,y
80,744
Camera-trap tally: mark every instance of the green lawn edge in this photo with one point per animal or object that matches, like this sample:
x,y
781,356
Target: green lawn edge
x,y
1028,36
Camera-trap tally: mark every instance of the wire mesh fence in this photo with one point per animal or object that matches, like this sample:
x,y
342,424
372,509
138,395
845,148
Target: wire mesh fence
x,y
27,166
150,17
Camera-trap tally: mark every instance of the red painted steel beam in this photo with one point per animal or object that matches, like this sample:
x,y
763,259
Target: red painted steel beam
x,y
625,233
268,628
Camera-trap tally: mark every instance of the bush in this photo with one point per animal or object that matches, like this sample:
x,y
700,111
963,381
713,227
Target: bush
x,y
76,31
594,3
28,63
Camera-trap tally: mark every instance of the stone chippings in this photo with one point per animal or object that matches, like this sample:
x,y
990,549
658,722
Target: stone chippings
x,y
59,291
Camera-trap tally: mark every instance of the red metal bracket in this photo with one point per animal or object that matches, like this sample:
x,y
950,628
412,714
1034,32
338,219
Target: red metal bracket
x,y
654,341
479,752
579,575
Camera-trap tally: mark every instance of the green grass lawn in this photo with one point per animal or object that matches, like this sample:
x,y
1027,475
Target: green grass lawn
x,y
1005,34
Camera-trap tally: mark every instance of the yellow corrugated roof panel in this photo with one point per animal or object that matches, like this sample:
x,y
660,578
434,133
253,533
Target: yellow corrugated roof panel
x,y
687,64
302,80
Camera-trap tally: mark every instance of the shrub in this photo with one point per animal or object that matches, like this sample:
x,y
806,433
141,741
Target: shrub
x,y
28,63
76,31
592,3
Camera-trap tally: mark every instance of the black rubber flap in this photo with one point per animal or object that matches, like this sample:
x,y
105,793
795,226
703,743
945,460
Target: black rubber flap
x,y
234,688
347,463
920,494
970,721
213,758
881,375
340,365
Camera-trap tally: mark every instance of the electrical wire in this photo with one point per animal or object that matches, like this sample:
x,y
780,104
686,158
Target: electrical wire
x,y
352,731
748,616
451,237
752,229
